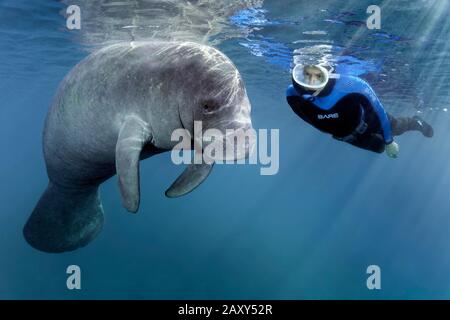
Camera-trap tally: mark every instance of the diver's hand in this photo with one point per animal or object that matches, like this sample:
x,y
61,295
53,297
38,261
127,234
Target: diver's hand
x,y
392,149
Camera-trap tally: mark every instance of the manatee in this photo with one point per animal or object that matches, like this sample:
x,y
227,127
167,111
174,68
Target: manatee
x,y
118,106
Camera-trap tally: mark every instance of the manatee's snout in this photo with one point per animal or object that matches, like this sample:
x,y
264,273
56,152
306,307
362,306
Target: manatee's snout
x,y
240,137
229,131
242,140
234,142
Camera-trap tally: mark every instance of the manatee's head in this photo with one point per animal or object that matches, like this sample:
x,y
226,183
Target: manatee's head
x,y
218,100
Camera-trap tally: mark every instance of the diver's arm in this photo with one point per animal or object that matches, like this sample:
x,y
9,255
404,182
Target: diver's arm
x,y
377,106
294,100
291,91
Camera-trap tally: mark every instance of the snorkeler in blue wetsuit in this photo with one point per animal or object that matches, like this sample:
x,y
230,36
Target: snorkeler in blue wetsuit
x,y
347,108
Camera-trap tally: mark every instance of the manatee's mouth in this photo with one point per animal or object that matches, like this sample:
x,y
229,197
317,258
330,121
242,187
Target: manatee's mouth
x,y
230,144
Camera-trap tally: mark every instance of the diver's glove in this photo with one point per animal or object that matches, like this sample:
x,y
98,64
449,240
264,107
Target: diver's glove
x,y
392,149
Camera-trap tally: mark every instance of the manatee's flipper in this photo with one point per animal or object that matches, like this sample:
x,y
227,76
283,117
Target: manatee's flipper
x,y
64,219
132,138
190,179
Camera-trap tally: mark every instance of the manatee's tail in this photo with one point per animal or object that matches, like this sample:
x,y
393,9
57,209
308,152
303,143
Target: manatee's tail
x,y
64,219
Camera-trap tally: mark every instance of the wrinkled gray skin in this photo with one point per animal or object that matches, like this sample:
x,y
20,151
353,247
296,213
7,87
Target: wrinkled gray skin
x,y
116,107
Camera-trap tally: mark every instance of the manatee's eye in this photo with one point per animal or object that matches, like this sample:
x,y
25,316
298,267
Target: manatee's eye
x,y
208,106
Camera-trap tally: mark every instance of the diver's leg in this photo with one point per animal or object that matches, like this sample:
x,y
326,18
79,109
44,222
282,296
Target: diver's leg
x,y
402,124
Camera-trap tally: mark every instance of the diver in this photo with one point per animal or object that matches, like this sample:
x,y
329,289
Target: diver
x,y
347,108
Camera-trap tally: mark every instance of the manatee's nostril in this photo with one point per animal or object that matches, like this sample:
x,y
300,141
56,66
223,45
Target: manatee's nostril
x,y
241,125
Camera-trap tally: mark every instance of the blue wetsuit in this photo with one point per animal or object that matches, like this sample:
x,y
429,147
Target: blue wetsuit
x,y
348,109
